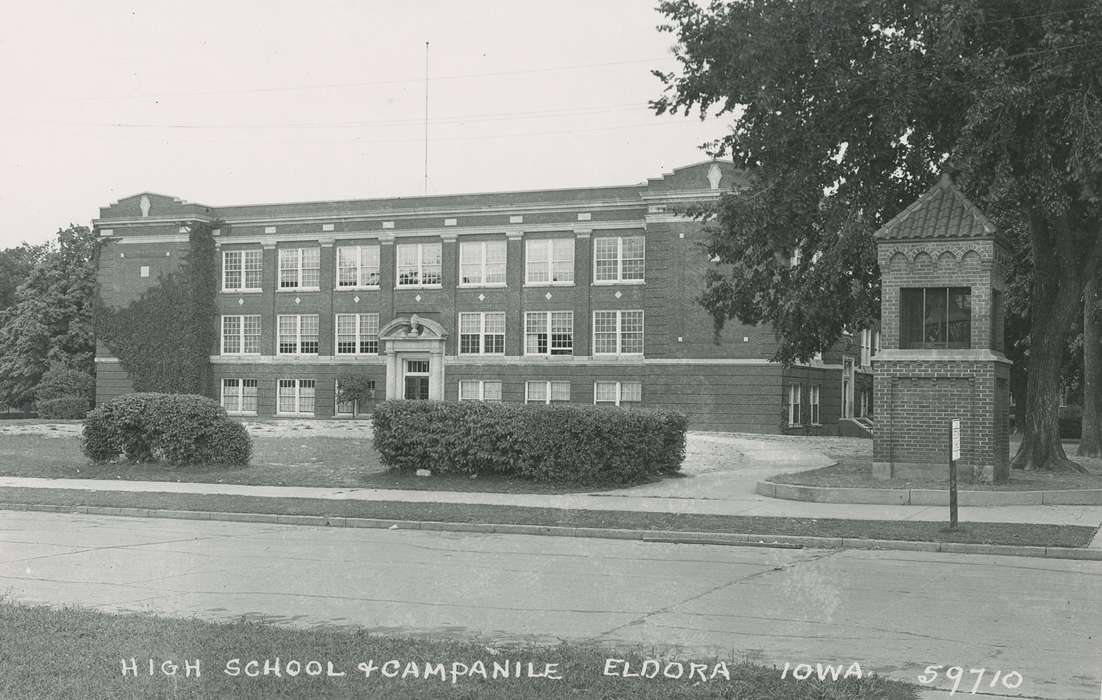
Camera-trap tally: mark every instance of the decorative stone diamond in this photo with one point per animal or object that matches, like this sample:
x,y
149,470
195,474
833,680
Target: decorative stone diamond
x,y
417,298
298,300
240,301
482,297
617,295
356,299
547,296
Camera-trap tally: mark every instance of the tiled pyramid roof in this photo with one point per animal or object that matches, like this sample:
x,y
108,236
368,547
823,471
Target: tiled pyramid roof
x,y
942,212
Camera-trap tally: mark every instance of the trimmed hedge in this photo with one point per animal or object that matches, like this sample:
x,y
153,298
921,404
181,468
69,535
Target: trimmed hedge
x,y
174,428
565,444
62,408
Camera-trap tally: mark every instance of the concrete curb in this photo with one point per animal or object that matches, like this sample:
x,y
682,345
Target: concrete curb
x,y
666,536
927,497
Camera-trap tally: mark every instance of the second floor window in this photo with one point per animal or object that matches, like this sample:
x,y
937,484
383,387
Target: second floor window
x,y
241,335
418,264
549,261
549,333
618,332
299,268
241,269
482,334
482,262
298,335
936,317
358,266
357,334
618,259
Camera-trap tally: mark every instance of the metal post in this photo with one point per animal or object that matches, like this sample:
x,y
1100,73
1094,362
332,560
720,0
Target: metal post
x,y
954,454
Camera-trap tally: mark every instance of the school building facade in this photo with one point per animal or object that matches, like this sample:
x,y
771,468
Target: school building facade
x,y
581,295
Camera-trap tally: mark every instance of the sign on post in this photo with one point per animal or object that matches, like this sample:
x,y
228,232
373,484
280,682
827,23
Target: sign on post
x,y
954,455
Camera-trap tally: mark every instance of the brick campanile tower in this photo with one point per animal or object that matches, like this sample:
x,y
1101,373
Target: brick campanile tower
x,y
943,280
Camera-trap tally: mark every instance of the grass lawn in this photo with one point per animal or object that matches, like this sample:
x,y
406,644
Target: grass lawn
x,y
984,533
277,461
72,653
854,469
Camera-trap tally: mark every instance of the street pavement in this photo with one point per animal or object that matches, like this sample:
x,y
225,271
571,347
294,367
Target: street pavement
x,y
892,612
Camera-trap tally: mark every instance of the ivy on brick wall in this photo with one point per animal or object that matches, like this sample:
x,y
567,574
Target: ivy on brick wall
x,y
164,338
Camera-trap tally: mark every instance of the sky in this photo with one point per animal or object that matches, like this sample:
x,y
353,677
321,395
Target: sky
x,y
249,102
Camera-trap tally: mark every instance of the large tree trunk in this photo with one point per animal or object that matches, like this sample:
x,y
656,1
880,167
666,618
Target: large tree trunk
x,y
1090,442
1058,279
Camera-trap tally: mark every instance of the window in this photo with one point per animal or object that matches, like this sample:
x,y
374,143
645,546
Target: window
x,y
482,334
936,317
357,334
617,332
357,266
617,393
866,347
549,333
345,408
241,335
618,259
299,268
546,392
813,402
239,396
296,397
794,415
241,270
478,390
418,264
549,261
298,335
482,263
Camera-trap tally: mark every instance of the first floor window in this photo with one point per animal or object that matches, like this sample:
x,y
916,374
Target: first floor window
x,y
298,335
618,332
348,408
813,403
419,264
299,268
241,335
479,390
358,266
239,396
794,415
357,334
618,393
936,317
296,397
482,333
546,392
549,333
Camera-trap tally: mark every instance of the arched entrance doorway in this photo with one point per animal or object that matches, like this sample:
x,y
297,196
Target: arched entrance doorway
x,y
414,351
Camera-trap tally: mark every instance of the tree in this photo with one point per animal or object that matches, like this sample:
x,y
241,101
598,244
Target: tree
x,y
50,323
15,266
1090,440
844,113
358,389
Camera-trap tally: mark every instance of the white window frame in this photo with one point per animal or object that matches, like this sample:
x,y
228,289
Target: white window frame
x,y
299,268
620,331
813,403
619,393
619,278
299,385
481,383
485,265
547,328
240,395
363,270
419,284
298,334
244,254
358,323
481,332
547,267
241,336
548,391
336,400
795,414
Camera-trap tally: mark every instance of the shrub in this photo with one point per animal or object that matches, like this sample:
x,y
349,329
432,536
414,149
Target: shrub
x,y
63,408
175,428
566,444
61,382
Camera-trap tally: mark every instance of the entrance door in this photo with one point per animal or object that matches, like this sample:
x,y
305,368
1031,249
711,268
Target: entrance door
x,y
416,380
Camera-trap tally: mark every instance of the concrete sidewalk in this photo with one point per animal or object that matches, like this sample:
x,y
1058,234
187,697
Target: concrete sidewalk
x,y
639,500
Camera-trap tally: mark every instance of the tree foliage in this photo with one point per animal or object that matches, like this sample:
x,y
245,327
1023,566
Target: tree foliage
x,y
15,267
50,322
844,112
